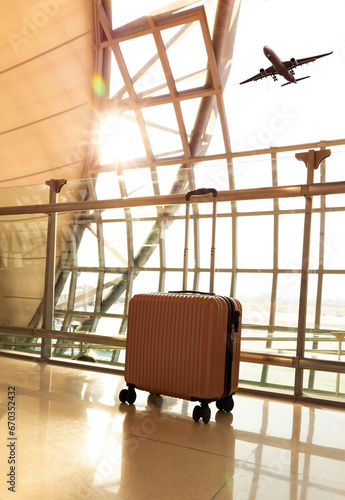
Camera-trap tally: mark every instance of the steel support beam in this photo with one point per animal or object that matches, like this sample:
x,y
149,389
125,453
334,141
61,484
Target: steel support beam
x,y
49,281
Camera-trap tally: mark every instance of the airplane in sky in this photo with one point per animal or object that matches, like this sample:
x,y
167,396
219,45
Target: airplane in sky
x,y
285,69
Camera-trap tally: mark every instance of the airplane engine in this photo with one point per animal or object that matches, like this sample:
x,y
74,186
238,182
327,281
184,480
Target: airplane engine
x,y
293,60
263,72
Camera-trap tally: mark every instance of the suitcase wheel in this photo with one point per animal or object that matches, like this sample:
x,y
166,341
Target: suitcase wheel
x,y
225,404
203,412
128,396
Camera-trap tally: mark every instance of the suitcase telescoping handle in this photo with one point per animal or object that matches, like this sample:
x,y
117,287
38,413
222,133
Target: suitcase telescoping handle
x,y
201,192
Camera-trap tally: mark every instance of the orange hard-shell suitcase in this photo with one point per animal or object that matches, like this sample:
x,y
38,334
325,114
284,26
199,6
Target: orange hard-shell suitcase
x,y
185,344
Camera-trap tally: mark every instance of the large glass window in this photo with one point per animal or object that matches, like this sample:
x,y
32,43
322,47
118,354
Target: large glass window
x,y
164,130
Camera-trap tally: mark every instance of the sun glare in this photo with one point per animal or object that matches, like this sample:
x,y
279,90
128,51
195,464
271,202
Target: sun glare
x,y
122,140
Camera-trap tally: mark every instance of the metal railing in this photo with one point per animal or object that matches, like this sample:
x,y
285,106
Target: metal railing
x,y
298,361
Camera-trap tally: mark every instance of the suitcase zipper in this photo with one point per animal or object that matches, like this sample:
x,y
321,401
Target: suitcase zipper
x,y
232,329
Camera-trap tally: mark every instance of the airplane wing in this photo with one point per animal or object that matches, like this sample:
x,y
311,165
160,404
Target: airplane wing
x,y
264,73
293,63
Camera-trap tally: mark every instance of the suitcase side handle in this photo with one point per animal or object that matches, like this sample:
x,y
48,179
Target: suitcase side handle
x,y
202,192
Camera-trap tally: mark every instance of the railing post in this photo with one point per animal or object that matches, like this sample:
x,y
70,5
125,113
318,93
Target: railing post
x,y
49,281
312,160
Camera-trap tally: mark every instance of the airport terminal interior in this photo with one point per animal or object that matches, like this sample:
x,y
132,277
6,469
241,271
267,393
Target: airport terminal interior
x,y
111,112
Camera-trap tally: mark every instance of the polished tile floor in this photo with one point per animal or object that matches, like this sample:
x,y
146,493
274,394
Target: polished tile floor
x,y
73,440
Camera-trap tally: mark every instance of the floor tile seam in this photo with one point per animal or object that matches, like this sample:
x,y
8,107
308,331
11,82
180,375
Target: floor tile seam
x,y
252,461
244,462
263,440
191,448
236,469
221,488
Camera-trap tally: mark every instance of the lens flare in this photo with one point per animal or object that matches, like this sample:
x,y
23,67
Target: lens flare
x,y
98,85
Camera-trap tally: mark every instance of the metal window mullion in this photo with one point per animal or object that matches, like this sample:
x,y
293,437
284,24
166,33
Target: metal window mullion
x,y
233,218
172,88
320,273
264,373
134,100
104,21
186,147
101,274
321,247
162,251
101,259
160,228
213,75
196,229
119,95
275,243
215,79
161,238
73,282
130,253
234,233
311,160
224,123
144,136
303,294
55,186
68,316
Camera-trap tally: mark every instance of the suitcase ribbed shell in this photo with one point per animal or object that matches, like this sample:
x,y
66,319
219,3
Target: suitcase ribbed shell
x,y
176,344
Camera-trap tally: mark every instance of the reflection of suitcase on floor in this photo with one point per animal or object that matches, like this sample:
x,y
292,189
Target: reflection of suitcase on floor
x,y
185,344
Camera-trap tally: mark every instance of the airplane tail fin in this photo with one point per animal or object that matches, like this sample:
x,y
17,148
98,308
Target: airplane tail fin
x,y
297,80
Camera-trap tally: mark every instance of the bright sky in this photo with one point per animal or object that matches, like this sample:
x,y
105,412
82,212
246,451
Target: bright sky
x,y
263,114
